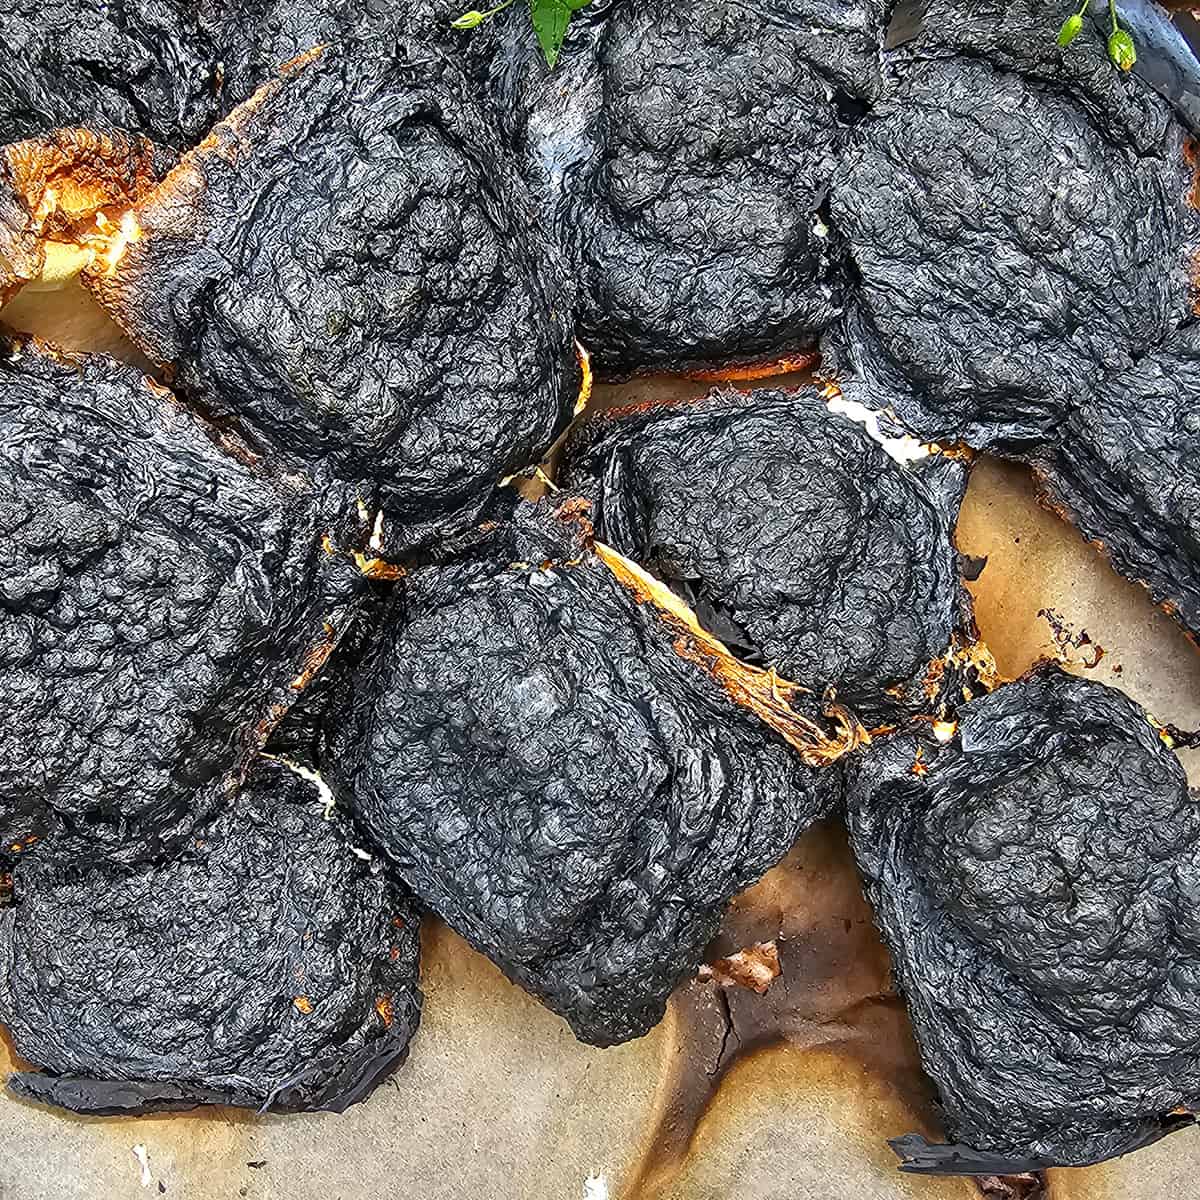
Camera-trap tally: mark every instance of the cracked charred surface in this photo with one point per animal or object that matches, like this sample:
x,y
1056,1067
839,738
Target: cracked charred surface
x,y
1036,886
1012,254
162,602
348,266
684,156
265,966
555,779
795,537
140,65
1126,471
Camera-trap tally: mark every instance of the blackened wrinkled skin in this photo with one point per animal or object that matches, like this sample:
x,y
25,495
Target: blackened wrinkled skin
x,y
266,966
140,65
1036,881
258,36
1010,254
1126,470
791,531
552,777
349,268
683,155
170,69
162,602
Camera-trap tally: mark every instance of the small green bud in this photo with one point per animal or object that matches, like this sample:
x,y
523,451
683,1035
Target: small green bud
x,y
1070,30
469,20
1120,49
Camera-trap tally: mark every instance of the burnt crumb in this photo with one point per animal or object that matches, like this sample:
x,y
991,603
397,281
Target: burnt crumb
x,y
1067,639
349,269
972,566
1180,739
1126,470
793,534
264,966
574,780
754,968
1010,255
684,155
1026,1186
162,603
1062,632
1037,890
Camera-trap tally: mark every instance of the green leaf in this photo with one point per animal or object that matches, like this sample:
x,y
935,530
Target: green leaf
x,y
550,21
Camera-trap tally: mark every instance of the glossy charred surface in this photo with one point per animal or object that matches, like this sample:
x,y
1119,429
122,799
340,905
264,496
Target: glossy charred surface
x,y
792,533
161,603
1127,471
553,776
266,966
349,267
1009,254
139,65
1035,880
684,155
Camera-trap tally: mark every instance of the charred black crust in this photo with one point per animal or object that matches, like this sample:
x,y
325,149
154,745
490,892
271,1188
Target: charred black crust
x,y
265,966
920,1157
256,37
992,290
161,602
350,269
551,777
797,539
1035,881
1000,304
141,65
669,138
1126,470
171,69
